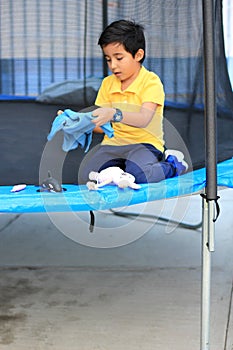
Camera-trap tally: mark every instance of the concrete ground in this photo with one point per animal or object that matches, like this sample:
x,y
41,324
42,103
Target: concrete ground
x,y
130,284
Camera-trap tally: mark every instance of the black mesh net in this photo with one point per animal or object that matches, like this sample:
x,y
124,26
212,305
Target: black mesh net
x,y
44,42
52,41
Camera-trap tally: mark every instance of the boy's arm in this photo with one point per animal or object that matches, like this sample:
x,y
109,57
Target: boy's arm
x,y
137,119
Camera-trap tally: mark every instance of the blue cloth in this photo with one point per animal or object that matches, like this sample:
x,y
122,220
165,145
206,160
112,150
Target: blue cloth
x,y
77,128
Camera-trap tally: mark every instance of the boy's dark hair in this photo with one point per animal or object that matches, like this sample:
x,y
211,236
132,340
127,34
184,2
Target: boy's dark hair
x,y
127,33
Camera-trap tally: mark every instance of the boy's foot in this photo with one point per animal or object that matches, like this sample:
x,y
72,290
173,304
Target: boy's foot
x,y
176,158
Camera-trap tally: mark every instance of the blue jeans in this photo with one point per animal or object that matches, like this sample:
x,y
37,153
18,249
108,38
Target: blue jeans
x,y
143,161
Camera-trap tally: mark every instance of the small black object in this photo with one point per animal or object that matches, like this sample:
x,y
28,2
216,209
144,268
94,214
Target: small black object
x,y
92,221
51,184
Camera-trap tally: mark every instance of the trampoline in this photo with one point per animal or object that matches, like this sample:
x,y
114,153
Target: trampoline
x,y
193,118
79,198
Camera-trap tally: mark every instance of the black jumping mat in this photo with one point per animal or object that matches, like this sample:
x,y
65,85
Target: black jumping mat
x,y
27,156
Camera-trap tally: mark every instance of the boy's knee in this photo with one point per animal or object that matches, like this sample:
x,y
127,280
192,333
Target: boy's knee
x,y
138,173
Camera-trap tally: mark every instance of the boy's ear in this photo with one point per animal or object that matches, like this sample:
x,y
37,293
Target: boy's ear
x,y
139,55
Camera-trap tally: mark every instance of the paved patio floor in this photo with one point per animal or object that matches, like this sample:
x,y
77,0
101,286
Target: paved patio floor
x,y
139,290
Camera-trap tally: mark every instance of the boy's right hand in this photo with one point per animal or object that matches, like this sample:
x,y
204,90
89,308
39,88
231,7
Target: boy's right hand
x,y
97,129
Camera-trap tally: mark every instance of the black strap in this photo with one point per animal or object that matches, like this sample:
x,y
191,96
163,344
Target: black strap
x,y
203,195
92,221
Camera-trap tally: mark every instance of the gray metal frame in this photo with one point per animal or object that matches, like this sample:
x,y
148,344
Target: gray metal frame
x,y
210,198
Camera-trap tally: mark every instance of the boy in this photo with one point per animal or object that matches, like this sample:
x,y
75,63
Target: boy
x,y
132,98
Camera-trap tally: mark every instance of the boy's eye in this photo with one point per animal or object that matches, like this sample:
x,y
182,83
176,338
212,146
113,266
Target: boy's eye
x,y
117,58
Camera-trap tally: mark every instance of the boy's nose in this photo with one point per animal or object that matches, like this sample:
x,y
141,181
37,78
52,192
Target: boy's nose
x,y
114,64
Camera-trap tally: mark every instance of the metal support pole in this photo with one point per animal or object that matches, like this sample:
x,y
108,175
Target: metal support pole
x,y
207,248
210,98
211,166
105,23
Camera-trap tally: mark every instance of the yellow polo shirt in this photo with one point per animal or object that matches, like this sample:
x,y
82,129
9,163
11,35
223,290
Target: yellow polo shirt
x,y
147,87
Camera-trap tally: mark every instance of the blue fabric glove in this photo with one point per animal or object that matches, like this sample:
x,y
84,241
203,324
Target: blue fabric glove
x,y
77,128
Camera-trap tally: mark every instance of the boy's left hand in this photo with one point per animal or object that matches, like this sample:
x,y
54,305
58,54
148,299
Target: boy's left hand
x,y
103,115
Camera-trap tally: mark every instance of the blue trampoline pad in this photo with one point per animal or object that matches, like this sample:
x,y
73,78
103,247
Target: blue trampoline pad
x,y
79,198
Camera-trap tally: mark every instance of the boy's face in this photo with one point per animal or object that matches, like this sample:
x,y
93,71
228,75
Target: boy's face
x,y
121,63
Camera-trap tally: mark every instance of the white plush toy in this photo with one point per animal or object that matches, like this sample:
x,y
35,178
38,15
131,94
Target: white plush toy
x,y
111,175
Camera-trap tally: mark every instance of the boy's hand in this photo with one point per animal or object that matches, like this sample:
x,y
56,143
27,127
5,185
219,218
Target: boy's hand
x,y
97,129
103,115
